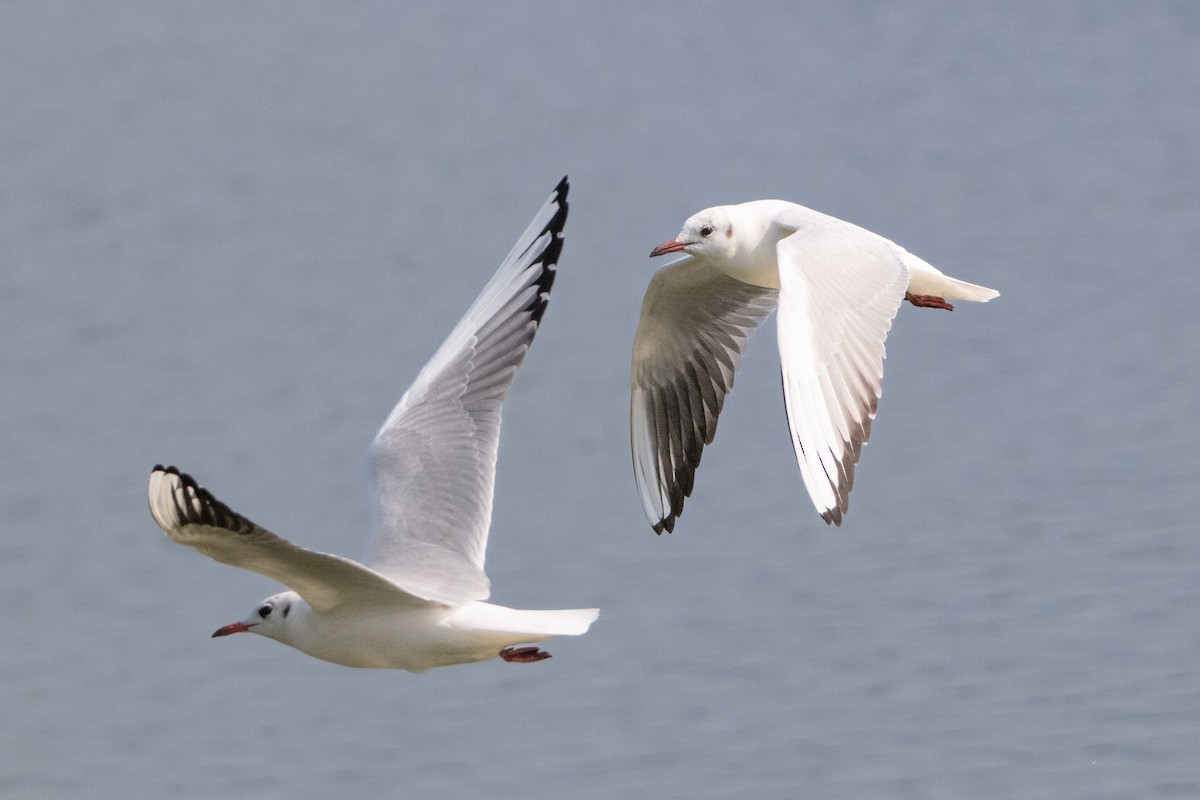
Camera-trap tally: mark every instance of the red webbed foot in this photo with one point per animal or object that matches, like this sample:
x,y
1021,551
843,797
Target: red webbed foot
x,y
927,301
523,655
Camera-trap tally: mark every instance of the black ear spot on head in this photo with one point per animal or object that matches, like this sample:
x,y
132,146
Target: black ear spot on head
x,y
287,608
729,230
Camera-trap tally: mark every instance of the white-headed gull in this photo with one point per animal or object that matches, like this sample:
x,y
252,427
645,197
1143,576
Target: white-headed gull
x,y
417,602
837,286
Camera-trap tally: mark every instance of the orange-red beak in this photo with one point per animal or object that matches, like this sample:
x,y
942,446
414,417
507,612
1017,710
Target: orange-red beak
x,y
672,246
233,627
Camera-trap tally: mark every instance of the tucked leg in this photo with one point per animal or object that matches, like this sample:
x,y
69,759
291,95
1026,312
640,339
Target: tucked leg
x,y
927,301
523,655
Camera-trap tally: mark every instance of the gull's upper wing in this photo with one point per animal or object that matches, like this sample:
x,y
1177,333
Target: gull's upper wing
x,y
434,460
191,515
840,288
694,327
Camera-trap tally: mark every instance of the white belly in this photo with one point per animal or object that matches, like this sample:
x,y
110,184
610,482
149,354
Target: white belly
x,y
410,639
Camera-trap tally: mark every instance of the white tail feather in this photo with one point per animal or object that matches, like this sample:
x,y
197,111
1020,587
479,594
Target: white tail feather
x,y
536,623
565,622
924,278
961,290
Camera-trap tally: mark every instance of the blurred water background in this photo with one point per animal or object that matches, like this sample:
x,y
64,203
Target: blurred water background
x,y
231,233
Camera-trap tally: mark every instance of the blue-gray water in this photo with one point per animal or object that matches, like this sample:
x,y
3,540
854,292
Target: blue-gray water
x,y
231,233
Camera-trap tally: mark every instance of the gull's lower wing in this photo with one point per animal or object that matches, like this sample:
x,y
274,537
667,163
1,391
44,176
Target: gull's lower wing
x,y
192,516
695,324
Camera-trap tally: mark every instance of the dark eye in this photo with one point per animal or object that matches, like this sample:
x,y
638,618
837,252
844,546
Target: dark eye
x,y
706,230
265,611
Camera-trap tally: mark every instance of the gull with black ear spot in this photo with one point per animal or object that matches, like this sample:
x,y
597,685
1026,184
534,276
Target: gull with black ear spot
x,y
837,287
418,600
279,605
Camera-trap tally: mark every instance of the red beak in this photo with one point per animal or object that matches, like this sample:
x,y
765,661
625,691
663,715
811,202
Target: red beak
x,y
667,247
233,627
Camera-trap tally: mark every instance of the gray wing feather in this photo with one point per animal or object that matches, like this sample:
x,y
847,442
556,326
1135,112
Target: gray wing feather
x,y
695,324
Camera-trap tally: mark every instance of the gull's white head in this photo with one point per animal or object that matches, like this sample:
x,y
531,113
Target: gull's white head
x,y
710,233
276,618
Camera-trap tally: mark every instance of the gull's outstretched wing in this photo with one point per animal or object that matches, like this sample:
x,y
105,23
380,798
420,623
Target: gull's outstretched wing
x,y
694,327
840,288
434,460
191,515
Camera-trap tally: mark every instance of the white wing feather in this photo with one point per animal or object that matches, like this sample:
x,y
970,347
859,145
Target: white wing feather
x,y
192,516
434,460
840,288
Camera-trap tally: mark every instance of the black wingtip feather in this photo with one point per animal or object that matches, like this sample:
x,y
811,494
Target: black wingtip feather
x,y
832,517
195,505
549,257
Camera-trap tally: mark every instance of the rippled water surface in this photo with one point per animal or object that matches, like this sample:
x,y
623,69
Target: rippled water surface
x,y
230,235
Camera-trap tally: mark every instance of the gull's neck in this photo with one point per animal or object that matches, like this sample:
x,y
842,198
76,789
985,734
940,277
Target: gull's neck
x,y
751,257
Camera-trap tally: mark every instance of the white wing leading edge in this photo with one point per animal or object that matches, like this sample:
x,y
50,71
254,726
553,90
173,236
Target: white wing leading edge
x,y
434,460
695,324
192,516
840,288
